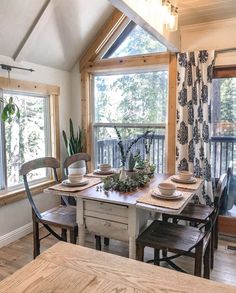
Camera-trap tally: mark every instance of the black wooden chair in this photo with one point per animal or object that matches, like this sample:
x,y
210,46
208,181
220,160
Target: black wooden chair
x,y
199,214
67,163
181,240
62,216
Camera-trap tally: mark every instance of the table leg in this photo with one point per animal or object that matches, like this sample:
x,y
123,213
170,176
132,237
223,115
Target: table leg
x,y
80,220
132,247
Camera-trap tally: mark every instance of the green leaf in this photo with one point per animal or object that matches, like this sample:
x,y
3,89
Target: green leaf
x,y
71,128
4,115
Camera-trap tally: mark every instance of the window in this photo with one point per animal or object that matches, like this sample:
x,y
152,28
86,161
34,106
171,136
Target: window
x,y
223,142
26,139
134,102
134,41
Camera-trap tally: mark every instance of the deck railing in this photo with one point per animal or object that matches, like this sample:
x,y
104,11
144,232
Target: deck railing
x,y
108,151
223,150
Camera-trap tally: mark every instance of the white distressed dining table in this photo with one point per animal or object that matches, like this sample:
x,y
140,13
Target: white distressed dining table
x,y
116,215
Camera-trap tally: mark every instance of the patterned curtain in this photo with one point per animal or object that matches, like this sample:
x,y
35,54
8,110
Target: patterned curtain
x,y
194,78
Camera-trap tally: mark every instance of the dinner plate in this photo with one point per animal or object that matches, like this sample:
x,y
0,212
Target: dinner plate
x,y
174,196
100,172
83,182
177,179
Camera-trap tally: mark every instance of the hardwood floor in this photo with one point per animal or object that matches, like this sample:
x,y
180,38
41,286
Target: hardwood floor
x,y
19,253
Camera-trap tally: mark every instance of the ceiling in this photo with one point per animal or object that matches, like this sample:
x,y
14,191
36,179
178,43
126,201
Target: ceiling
x,y
55,33
200,11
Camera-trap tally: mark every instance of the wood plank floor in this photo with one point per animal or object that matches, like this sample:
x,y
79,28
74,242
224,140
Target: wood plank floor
x,y
19,253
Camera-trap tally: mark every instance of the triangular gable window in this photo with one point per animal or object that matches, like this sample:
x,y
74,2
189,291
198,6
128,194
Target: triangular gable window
x,y
134,40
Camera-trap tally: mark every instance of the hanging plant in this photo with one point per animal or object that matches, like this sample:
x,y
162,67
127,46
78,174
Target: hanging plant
x,y
10,111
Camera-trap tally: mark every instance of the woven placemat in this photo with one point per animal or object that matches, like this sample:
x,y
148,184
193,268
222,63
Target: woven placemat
x,y
175,204
192,186
94,175
63,188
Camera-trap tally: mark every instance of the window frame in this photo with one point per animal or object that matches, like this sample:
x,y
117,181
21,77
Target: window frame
x,y
39,89
95,125
160,61
47,134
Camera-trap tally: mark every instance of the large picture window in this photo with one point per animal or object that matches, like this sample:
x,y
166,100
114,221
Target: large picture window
x,y
134,102
24,139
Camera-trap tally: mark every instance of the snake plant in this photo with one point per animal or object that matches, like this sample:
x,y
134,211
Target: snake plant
x,y
75,142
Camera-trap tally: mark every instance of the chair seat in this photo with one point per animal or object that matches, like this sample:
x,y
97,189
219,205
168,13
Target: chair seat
x,y
61,216
175,237
195,212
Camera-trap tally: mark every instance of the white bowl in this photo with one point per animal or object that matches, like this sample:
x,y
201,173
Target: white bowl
x,y
185,175
104,167
167,188
75,178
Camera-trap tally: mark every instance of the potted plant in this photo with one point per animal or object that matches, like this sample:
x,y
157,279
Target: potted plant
x,y
75,144
124,154
131,164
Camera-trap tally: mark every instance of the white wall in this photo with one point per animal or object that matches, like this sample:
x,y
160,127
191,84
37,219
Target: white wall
x,y
215,35
17,215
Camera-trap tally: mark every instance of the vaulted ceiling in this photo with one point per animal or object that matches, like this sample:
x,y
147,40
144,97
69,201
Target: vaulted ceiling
x,y
52,33
55,33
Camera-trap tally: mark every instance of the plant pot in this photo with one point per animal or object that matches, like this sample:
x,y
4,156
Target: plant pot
x,y
77,168
122,174
131,174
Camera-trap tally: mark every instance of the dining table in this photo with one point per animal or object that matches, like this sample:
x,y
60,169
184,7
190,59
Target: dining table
x,y
71,268
122,215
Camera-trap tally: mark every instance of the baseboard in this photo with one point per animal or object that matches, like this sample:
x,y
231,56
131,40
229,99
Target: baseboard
x,y
15,235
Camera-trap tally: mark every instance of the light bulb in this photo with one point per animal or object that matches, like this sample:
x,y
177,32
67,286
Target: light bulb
x,y
165,11
172,24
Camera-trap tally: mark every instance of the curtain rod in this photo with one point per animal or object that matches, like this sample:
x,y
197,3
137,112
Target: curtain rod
x,y
9,68
225,50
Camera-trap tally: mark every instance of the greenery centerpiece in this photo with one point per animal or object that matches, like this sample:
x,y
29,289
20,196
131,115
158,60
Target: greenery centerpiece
x,y
121,182
125,185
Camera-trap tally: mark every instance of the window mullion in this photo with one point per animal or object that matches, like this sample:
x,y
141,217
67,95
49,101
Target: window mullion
x,y
3,168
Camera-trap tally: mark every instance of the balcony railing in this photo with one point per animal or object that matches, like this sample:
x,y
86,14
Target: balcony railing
x,y
223,150
108,151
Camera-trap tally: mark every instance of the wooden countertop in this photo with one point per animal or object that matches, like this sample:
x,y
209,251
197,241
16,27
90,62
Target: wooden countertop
x,y
71,268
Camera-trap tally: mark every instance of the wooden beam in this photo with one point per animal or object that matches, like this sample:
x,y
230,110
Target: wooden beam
x,y
32,34
103,37
29,86
86,112
129,62
171,129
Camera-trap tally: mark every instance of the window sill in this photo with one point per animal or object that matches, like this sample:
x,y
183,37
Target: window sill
x,y
16,195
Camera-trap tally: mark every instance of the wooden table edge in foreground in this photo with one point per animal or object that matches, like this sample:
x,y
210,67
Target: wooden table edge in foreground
x,y
71,268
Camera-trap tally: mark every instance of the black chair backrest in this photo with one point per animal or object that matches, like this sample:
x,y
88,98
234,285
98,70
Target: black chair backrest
x,y
75,158
46,162
220,188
